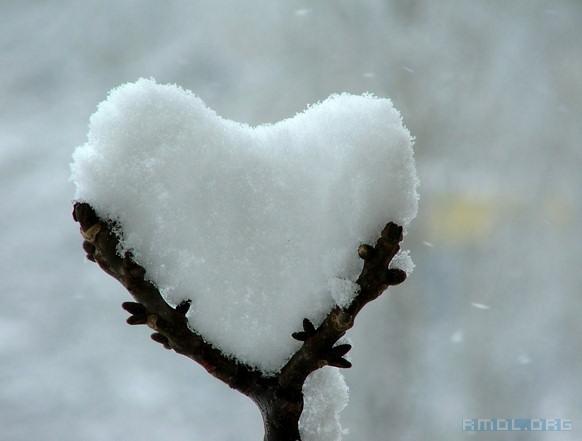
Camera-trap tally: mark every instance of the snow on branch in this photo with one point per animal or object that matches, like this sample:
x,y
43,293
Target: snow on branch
x,y
250,250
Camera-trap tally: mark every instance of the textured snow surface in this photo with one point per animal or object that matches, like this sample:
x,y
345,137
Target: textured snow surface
x,y
325,395
403,261
258,226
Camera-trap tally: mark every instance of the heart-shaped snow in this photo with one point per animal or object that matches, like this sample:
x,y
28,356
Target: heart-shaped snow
x,y
258,226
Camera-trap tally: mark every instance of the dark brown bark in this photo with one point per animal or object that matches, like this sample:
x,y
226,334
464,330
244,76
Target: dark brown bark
x,y
279,397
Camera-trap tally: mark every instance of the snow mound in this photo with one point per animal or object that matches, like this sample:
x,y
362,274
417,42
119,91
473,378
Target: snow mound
x,y
325,395
258,226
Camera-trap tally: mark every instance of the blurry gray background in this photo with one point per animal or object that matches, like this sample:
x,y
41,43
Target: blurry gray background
x,y
487,326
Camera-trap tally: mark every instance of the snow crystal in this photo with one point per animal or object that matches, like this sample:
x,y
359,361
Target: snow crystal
x,y
403,261
343,291
258,226
480,305
325,395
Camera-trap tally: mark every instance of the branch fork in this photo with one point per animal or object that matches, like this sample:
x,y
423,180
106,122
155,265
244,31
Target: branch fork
x,y
279,397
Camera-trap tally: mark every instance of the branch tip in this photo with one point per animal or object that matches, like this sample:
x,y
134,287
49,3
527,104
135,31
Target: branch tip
x,y
137,320
365,251
134,308
183,307
308,326
85,215
392,232
340,363
341,350
162,339
301,335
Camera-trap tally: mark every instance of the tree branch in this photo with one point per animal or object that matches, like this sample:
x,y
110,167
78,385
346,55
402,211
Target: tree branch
x,y
170,325
318,349
279,397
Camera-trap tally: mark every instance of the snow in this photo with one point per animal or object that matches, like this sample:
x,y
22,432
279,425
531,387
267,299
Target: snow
x,y
403,261
258,226
325,395
480,305
302,12
342,291
458,336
